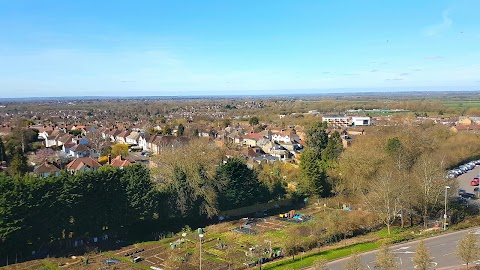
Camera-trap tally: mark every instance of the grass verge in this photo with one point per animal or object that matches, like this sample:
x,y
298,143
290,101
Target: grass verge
x,y
329,255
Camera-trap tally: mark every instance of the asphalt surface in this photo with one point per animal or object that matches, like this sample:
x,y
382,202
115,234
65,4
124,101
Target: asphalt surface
x,y
442,248
464,180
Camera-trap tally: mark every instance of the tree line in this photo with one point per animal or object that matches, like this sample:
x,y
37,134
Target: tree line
x,y
59,209
36,211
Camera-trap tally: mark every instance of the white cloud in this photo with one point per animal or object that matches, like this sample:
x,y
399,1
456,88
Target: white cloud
x,y
439,28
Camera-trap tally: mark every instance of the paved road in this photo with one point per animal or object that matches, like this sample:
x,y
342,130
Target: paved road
x,y
442,248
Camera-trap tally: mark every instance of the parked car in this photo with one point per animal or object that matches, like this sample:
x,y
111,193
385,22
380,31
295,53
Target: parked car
x,y
474,182
468,195
461,191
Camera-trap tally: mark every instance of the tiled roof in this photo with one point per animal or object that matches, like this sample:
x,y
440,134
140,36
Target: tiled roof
x,y
120,161
80,148
253,136
78,163
69,145
46,167
124,134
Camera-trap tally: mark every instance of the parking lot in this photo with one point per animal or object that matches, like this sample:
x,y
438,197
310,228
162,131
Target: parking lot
x,y
464,181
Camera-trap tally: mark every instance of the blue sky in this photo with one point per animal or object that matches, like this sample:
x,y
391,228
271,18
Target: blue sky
x,y
128,48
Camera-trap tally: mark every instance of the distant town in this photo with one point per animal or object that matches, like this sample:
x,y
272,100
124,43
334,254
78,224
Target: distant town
x,y
232,182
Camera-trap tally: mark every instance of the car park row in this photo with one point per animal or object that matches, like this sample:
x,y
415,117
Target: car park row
x,y
454,173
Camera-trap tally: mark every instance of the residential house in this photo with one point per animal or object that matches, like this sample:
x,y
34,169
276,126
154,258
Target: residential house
x,y
265,159
63,139
266,134
122,136
67,147
46,169
279,152
150,141
121,162
143,141
265,144
252,152
251,139
235,137
285,137
82,150
161,142
133,138
51,137
51,141
43,131
83,164
112,134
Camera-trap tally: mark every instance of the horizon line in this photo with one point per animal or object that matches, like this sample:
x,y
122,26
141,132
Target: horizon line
x,y
220,95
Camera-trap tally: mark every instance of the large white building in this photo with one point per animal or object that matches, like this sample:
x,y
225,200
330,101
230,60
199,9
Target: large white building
x,y
361,121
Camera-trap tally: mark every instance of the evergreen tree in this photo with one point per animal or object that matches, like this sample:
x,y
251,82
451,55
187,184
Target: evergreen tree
x,y
333,149
3,154
312,169
317,137
253,121
180,130
18,164
141,194
321,152
239,186
182,192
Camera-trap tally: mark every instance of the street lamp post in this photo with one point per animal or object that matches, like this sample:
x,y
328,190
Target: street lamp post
x,y
445,214
200,236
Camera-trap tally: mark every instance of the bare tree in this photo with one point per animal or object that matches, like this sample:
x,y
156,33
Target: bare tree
x,y
467,248
386,260
422,259
320,264
291,245
383,197
96,140
427,172
353,263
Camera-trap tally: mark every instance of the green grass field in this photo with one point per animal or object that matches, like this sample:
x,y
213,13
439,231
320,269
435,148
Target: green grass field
x,y
329,255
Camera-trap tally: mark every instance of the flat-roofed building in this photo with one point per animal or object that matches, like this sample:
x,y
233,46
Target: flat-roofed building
x,y
361,121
